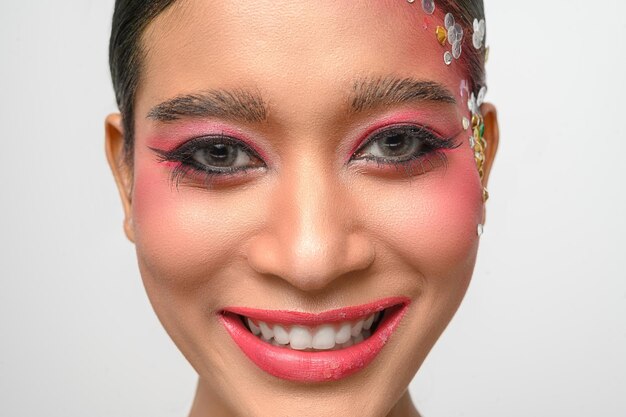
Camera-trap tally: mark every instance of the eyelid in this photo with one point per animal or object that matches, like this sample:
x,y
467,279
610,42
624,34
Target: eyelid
x,y
170,137
216,138
408,125
186,149
375,135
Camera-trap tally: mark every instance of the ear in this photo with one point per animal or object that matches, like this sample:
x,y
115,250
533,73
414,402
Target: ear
x,y
114,148
492,137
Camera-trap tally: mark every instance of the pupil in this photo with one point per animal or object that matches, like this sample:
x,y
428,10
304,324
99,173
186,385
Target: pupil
x,y
396,144
221,154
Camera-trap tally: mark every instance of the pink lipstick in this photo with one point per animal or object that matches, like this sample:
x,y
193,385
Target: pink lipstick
x,y
307,347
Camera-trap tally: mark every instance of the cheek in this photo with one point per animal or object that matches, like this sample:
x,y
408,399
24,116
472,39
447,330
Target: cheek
x,y
432,221
182,237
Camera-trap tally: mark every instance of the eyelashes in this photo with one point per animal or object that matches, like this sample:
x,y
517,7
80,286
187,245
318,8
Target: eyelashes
x,y
409,149
210,157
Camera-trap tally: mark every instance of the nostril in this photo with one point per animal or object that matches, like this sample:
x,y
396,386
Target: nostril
x,y
308,258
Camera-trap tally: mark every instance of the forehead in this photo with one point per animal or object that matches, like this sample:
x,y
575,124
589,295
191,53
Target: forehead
x,y
295,53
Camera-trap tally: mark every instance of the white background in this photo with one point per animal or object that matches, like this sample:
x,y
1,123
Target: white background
x,y
542,331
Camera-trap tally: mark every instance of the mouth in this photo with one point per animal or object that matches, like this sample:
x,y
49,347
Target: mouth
x,y
320,347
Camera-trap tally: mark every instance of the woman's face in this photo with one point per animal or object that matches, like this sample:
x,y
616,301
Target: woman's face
x,y
315,218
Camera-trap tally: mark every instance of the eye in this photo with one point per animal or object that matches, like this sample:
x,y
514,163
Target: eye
x,y
210,157
402,144
221,155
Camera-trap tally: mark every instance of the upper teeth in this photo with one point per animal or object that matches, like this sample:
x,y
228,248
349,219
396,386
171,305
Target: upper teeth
x,y
325,336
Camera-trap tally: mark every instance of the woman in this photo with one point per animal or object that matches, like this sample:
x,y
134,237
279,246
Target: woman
x,y
305,185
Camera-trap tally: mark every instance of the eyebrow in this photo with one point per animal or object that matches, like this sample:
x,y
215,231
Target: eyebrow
x,y
371,93
248,106
238,105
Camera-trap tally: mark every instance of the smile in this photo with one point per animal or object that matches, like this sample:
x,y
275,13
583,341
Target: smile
x,y
308,347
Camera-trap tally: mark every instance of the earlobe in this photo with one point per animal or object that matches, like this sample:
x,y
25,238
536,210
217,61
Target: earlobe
x,y
122,173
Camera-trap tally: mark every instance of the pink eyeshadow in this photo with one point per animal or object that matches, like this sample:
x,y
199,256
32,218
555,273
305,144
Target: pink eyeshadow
x,y
169,137
425,118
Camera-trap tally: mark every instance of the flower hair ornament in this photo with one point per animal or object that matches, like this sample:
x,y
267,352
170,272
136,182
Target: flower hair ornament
x,y
452,35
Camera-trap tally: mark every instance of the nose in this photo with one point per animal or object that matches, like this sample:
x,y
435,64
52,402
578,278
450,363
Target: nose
x,y
312,235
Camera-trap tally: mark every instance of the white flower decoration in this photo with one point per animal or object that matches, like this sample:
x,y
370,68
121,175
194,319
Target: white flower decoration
x,y
428,6
481,96
455,35
448,20
472,104
479,33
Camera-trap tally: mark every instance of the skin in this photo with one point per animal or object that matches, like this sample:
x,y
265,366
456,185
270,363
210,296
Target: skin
x,y
311,232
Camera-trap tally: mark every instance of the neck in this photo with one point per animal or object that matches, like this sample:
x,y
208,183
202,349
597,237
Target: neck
x,y
404,407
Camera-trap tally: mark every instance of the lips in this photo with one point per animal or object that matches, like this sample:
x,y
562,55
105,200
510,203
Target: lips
x,y
320,347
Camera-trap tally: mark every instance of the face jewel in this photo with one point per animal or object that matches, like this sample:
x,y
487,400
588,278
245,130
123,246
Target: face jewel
x,y
458,32
476,41
464,88
411,1
479,33
447,58
471,104
451,34
466,123
442,35
475,121
428,6
485,195
481,96
480,230
448,21
472,142
456,49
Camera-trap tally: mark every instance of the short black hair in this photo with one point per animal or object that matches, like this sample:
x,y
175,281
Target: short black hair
x,y
131,17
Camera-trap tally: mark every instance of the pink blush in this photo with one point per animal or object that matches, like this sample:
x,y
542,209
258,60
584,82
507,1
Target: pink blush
x,y
431,221
170,164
